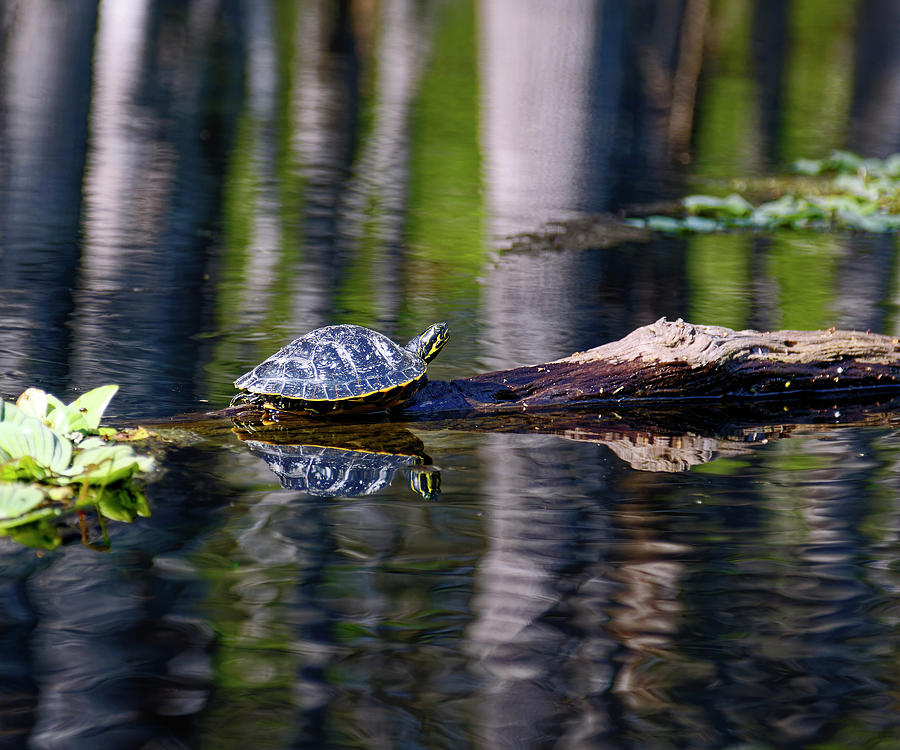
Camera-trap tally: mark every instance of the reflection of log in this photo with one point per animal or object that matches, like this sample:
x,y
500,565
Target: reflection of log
x,y
669,361
675,438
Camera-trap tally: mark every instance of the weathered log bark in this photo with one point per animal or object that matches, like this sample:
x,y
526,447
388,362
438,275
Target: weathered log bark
x,y
670,361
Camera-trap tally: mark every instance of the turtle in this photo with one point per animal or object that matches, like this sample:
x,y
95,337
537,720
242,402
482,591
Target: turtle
x,y
341,369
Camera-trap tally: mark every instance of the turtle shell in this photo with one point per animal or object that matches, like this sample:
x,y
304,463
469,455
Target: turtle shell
x,y
336,367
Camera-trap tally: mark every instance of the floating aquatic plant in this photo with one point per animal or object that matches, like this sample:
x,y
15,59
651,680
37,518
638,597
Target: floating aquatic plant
x,y
851,193
55,458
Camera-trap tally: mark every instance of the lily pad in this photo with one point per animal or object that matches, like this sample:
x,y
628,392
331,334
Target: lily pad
x,y
92,404
11,413
33,402
29,437
17,498
104,464
53,462
37,531
123,504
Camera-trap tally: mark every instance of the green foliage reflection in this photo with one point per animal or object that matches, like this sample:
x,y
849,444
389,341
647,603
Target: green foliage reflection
x,y
719,272
818,76
445,223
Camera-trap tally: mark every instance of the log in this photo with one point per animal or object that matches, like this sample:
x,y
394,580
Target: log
x,y
676,362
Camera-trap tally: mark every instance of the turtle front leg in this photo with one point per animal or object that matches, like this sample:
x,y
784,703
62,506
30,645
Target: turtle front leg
x,y
245,397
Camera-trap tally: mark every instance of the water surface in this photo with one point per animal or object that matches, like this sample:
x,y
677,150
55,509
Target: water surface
x,y
186,187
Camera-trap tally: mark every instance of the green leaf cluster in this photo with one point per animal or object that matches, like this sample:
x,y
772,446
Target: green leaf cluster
x,y
53,460
857,194
846,162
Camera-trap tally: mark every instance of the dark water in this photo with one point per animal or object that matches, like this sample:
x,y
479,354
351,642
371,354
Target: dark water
x,y
186,186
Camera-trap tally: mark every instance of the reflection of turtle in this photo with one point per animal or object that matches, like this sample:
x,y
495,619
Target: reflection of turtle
x,y
325,471
342,368
343,460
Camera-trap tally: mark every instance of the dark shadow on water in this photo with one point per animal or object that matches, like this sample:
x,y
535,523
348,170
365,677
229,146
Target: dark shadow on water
x,y
106,647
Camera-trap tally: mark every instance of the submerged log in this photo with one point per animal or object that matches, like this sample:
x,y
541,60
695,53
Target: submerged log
x,y
672,361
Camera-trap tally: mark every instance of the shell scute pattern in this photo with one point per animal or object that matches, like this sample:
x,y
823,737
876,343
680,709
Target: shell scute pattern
x,y
292,390
297,369
269,369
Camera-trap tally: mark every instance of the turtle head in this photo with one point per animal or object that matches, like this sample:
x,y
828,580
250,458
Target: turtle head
x,y
428,343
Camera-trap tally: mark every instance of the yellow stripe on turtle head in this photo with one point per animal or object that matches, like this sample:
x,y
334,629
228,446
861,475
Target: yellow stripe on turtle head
x,y
430,341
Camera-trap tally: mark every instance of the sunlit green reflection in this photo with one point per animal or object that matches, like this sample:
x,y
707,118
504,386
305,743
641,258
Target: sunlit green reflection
x,y
719,273
445,224
804,270
727,120
818,77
